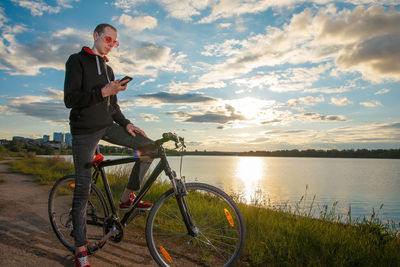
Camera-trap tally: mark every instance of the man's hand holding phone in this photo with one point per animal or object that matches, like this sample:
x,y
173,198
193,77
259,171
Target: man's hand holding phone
x,y
125,80
115,87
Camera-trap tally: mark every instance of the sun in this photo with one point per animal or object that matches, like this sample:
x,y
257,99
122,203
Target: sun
x,y
254,109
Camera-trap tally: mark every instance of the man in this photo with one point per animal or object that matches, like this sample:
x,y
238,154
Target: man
x,y
91,91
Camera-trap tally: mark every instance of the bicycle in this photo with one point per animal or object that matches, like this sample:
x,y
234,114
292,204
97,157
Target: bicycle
x,y
191,223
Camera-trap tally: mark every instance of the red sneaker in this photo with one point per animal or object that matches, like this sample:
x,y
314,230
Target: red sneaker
x,y
127,204
81,259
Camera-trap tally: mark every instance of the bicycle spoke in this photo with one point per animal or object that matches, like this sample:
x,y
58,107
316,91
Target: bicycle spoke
x,y
173,217
60,208
223,236
219,238
222,243
214,247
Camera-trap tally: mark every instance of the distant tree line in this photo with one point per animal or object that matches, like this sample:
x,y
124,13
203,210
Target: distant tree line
x,y
17,146
331,153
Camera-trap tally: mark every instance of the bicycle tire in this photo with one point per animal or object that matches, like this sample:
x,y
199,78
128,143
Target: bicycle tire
x,y
59,209
221,229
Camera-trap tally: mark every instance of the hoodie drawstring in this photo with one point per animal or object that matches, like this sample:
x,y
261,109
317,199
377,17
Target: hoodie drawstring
x,y
99,72
98,66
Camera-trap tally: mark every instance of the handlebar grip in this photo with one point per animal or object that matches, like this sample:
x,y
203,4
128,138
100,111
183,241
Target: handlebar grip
x,y
168,136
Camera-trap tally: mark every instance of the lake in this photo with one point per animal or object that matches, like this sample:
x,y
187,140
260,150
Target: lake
x,y
362,184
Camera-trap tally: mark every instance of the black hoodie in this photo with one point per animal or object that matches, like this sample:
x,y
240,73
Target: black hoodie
x,y
85,75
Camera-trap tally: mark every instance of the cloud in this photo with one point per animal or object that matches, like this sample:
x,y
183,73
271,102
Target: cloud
x,y
54,94
376,58
28,58
291,79
127,4
146,59
327,90
139,23
366,40
163,98
228,48
235,113
53,51
3,17
363,40
178,9
393,126
313,116
149,117
183,87
371,104
224,25
184,9
205,109
44,108
147,81
361,134
382,91
340,102
376,132
230,8
3,109
222,116
307,100
39,7
66,3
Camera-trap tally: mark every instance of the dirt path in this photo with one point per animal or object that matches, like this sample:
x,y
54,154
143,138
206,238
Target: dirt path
x,y
26,237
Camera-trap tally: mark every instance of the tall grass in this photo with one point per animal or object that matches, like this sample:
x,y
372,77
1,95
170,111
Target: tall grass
x,y
298,235
45,170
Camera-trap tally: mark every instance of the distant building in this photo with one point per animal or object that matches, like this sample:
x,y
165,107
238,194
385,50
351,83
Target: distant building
x,y
4,141
68,139
46,138
18,138
58,137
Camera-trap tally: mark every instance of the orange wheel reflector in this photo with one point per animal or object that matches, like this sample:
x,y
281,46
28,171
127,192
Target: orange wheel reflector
x,y
72,185
229,217
166,254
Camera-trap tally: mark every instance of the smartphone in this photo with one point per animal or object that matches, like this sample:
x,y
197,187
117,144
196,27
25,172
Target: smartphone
x,y
125,80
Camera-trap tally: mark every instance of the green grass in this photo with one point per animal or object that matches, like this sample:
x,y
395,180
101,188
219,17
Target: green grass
x,y
2,180
45,170
289,236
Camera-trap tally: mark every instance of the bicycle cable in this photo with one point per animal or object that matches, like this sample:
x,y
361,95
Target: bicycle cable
x,y
180,167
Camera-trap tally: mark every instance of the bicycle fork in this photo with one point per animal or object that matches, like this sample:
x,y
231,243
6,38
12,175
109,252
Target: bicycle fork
x,y
180,193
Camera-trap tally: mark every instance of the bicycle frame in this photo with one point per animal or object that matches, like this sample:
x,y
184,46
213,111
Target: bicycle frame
x,y
163,165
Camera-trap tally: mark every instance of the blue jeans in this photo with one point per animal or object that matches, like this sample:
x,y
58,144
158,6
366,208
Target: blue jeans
x,y
83,149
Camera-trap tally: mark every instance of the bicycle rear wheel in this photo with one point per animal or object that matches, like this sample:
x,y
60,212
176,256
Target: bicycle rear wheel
x,y
221,229
60,214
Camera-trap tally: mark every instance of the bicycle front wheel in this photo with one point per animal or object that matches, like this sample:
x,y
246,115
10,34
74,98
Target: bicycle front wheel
x,y
60,214
219,223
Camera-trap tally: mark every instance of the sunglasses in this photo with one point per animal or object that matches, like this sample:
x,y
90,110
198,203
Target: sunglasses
x,y
108,39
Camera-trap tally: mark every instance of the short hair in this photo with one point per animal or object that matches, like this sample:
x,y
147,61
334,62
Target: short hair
x,y
100,28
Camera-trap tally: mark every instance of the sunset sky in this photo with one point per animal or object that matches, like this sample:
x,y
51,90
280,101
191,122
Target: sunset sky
x,y
228,75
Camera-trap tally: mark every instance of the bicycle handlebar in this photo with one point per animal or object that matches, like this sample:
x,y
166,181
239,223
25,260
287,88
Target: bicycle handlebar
x,y
171,137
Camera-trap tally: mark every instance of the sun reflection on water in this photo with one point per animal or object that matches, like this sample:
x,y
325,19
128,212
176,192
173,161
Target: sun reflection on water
x,y
250,170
